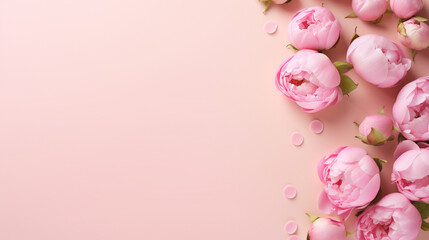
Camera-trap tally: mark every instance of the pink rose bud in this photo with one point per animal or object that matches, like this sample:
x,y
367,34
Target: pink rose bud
x,y
393,218
376,129
327,229
414,34
369,10
411,110
314,28
406,8
310,80
378,60
351,179
411,172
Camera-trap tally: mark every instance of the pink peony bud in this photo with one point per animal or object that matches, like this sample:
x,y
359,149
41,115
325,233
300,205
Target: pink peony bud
x,y
376,129
378,60
406,8
310,80
414,34
411,110
393,218
327,229
351,179
314,28
369,10
411,172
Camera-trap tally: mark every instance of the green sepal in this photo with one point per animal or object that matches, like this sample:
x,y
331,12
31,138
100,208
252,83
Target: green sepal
x,y
357,124
423,209
421,19
343,67
413,53
388,11
381,111
293,47
312,218
267,4
401,138
396,129
376,138
355,35
336,43
347,85
401,30
352,15
363,139
308,236
380,163
287,1
391,138
378,20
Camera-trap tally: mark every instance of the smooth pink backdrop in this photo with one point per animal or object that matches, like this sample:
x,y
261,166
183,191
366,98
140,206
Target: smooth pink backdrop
x,y
129,119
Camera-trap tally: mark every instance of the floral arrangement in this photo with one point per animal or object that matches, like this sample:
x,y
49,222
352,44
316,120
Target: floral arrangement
x,y
351,177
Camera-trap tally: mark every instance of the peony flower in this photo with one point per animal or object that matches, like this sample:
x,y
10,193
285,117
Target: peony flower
x,y
414,34
314,28
369,10
393,218
406,8
310,79
351,179
327,229
411,110
375,129
378,60
411,171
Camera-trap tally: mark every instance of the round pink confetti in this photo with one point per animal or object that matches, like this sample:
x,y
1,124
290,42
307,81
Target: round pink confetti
x,y
291,227
289,191
297,139
294,237
270,27
316,126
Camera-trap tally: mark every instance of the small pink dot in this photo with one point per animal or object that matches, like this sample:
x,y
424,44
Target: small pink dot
x,y
291,227
316,126
289,191
294,237
270,27
297,139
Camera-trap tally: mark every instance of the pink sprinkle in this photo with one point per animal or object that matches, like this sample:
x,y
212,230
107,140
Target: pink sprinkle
x,y
294,237
289,191
297,139
291,227
270,27
316,126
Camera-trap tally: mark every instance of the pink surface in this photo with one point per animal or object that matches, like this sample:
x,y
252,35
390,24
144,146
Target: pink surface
x,y
294,237
140,120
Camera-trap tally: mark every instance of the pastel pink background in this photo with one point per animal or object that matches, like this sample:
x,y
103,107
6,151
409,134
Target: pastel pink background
x,y
129,119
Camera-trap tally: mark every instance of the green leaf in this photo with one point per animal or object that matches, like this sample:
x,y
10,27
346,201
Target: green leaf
x,y
423,209
308,236
388,11
381,111
352,15
378,20
391,138
379,163
355,35
267,4
363,139
401,30
343,67
421,19
347,85
376,138
293,47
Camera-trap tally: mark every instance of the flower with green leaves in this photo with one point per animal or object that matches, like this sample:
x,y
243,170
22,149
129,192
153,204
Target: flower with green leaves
x,y
376,129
